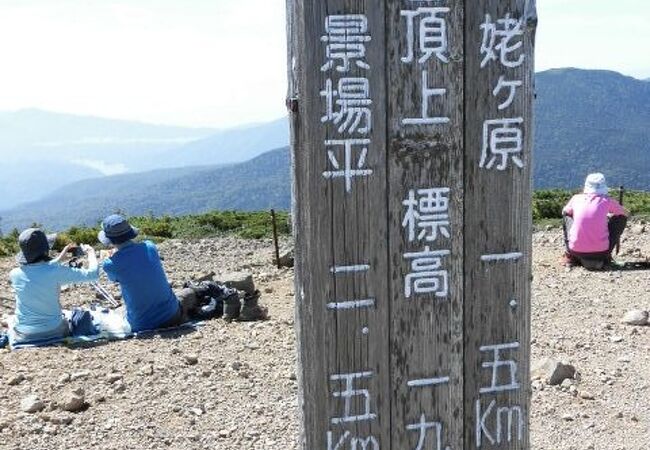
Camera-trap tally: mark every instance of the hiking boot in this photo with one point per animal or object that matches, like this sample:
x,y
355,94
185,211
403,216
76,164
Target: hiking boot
x,y
231,308
251,310
214,308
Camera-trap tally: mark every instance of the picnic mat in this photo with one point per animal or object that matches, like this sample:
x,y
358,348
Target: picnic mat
x,y
111,325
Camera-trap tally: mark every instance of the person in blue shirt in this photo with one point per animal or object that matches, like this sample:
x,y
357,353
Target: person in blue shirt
x,y
37,286
148,297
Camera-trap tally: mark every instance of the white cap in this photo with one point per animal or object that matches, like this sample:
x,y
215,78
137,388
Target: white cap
x,y
596,184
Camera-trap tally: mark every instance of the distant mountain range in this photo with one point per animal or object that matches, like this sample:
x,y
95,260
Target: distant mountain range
x,y
63,148
261,183
585,121
589,121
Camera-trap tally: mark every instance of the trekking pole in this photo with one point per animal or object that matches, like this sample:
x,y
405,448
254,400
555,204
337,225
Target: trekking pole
x,y
275,239
105,294
621,194
565,232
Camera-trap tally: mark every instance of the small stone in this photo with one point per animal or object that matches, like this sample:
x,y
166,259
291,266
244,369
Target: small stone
x,y
146,370
268,290
616,339
586,395
286,259
31,404
16,380
50,429
65,378
205,276
636,317
552,371
62,419
191,359
73,401
79,375
567,417
196,411
112,378
638,229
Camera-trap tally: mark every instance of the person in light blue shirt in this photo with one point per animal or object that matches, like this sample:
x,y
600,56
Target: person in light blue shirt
x,y
149,299
37,286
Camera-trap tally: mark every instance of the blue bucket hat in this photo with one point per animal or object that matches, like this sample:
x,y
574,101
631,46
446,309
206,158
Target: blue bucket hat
x,y
34,245
116,230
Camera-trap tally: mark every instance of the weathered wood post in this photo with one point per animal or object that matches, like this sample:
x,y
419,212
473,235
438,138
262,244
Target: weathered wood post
x,y
412,140
276,243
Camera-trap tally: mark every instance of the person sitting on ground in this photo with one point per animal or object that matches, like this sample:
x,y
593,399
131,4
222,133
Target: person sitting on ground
x,y
148,297
594,224
37,287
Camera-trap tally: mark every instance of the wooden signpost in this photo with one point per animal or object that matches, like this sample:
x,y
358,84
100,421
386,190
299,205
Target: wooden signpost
x,y
412,153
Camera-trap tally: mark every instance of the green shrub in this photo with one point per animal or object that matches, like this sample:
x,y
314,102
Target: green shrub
x,y
152,227
548,204
8,246
76,235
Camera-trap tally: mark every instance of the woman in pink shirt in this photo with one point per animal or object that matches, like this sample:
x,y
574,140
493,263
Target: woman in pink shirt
x,y
594,224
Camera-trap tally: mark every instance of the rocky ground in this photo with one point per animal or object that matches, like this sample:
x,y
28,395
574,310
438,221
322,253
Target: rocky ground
x,y
233,386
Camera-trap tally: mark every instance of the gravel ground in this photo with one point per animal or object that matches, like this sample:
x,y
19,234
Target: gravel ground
x,y
577,317
233,386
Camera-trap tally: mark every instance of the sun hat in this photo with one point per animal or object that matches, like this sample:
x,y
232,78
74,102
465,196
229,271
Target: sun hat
x,y
34,245
596,184
116,230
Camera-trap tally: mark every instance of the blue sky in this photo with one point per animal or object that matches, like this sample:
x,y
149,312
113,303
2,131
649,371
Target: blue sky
x,y
222,62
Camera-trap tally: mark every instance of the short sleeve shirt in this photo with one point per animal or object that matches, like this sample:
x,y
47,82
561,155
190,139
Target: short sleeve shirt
x,y
590,232
149,299
37,289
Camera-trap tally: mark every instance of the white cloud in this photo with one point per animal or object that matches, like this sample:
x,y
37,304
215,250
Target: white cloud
x,y
595,35
212,63
102,166
222,62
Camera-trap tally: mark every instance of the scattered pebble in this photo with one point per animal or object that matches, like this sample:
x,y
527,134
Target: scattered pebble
x,y
16,379
31,404
636,317
191,359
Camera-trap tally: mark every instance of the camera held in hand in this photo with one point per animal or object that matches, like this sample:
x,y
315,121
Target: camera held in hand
x,y
77,252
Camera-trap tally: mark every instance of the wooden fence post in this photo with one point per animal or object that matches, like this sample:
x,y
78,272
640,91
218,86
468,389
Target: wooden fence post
x,y
411,151
276,243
